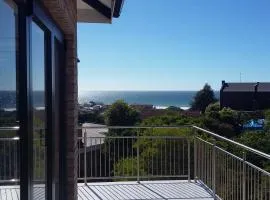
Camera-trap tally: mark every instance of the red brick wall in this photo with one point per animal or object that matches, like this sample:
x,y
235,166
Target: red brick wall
x,y
64,13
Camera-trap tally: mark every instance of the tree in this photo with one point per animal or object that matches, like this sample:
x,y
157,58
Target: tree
x,y
224,122
267,120
212,110
203,98
121,114
259,140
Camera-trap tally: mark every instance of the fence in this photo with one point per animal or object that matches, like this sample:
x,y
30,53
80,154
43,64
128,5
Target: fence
x,y
188,152
152,153
10,155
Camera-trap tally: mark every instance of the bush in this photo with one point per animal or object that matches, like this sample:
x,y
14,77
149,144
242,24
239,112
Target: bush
x,y
212,110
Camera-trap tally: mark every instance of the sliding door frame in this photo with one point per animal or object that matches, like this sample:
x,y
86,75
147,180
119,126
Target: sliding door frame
x,y
32,11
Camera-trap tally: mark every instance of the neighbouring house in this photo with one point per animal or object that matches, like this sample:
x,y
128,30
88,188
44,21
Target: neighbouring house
x,y
245,96
38,51
91,142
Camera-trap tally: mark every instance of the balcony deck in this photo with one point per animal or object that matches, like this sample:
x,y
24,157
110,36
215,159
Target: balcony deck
x,y
169,190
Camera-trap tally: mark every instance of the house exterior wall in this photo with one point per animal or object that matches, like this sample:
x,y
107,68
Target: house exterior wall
x,y
246,101
64,13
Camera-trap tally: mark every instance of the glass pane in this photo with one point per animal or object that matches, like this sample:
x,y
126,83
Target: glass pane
x,y
8,39
9,142
39,110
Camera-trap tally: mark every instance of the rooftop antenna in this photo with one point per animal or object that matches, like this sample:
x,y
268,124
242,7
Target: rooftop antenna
x,y
240,77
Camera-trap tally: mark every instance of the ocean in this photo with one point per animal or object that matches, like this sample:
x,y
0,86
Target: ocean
x,y
160,99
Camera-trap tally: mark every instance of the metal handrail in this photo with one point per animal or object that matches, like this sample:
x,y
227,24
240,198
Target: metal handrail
x,y
135,127
265,155
214,166
13,128
10,139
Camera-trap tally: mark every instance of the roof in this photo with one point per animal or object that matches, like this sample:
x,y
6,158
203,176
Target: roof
x,y
246,87
98,11
95,136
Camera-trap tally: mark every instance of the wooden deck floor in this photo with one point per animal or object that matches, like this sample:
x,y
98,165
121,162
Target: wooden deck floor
x,y
163,190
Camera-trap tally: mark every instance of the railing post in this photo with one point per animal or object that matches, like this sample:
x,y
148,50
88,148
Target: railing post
x,y
189,160
85,163
244,176
195,160
138,161
214,169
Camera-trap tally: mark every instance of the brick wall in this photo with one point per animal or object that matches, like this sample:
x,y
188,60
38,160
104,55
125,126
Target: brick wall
x,y
64,13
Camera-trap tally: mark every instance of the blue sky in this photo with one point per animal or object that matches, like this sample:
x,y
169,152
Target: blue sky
x,y
176,45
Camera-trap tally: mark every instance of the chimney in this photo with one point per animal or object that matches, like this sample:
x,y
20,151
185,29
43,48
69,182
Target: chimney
x,y
223,82
256,86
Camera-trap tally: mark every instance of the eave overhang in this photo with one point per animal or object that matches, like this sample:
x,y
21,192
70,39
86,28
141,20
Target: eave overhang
x,y
98,11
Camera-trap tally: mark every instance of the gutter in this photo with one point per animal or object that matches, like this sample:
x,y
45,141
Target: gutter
x,y
118,8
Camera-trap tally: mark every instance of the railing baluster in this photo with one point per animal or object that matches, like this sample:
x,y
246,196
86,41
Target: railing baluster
x,y
195,160
132,156
174,158
138,162
183,156
109,152
114,155
165,156
100,157
95,148
170,140
123,156
152,142
244,173
189,160
91,156
214,169
85,163
105,157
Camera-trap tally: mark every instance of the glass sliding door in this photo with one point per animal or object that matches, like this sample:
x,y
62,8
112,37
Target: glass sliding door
x,y
31,56
9,140
38,77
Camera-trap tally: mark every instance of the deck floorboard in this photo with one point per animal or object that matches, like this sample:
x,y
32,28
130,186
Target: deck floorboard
x,y
145,190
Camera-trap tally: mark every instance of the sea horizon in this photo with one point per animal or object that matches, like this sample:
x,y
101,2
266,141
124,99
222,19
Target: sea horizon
x,y
158,98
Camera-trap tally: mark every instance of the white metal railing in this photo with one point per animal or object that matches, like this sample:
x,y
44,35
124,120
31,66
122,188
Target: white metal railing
x,y
116,157
150,153
9,155
230,176
139,154
10,159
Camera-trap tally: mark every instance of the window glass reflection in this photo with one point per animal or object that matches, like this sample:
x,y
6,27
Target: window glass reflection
x,y
39,109
8,49
9,147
